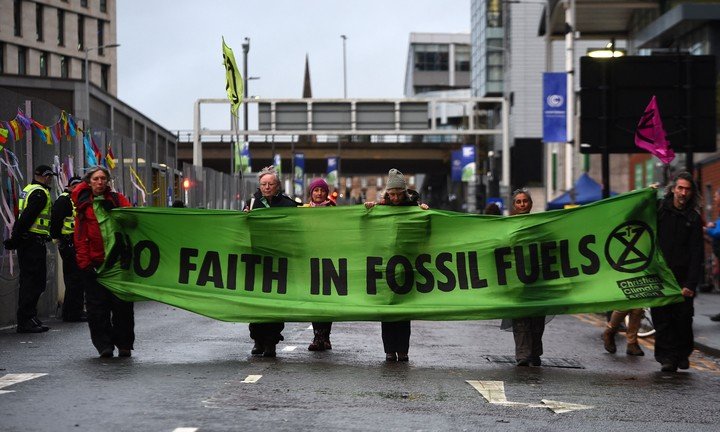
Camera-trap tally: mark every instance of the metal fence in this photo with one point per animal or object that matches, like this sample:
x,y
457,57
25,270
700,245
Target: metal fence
x,y
145,172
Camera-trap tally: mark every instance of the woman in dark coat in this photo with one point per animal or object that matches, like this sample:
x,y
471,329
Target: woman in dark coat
x,y
528,331
396,335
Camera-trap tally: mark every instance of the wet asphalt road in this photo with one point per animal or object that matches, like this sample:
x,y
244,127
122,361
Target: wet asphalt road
x,y
188,372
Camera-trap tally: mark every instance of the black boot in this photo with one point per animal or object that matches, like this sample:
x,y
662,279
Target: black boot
x,y
257,349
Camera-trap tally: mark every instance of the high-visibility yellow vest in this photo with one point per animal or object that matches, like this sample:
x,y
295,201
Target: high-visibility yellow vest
x,y
41,225
69,221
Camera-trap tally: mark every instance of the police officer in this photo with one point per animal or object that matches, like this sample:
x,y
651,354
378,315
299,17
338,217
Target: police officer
x,y
29,234
62,227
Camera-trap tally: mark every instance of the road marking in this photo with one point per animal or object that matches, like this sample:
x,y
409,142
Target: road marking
x,y
310,327
185,429
289,348
10,379
494,392
251,379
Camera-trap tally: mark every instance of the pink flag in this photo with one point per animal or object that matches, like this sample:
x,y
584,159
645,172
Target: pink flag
x,y
650,134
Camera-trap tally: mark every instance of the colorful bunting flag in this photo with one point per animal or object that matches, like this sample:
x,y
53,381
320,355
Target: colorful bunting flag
x,y
90,157
110,157
16,130
3,135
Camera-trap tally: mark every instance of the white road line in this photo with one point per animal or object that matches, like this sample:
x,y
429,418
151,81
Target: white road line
x,y
494,392
309,328
185,429
10,379
289,348
251,379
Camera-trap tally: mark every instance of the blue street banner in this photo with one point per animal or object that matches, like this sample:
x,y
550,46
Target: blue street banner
x,y
554,107
456,165
468,163
332,171
299,174
277,161
242,157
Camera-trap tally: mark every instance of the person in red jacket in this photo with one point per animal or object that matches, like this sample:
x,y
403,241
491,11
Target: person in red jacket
x,y
111,320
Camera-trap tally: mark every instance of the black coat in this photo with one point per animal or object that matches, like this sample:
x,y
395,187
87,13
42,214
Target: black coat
x,y
279,200
680,238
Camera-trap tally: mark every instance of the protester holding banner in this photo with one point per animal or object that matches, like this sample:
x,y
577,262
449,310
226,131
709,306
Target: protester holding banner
x,y
713,230
29,235
267,335
111,320
319,192
62,230
680,238
396,335
528,331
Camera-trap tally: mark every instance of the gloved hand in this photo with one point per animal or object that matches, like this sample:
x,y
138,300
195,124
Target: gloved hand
x,y
11,243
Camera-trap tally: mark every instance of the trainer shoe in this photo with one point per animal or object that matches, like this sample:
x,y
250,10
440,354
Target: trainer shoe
x,y
668,367
683,364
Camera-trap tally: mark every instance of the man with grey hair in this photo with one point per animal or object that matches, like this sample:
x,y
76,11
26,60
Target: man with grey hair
x,y
267,335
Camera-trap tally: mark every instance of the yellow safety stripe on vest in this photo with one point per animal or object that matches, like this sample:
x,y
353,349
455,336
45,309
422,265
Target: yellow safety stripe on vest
x,y
41,225
69,221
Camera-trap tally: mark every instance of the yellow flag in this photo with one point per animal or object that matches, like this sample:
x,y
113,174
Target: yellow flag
x,y
233,79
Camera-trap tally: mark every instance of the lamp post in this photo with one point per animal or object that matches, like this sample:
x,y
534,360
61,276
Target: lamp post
x,y
87,78
246,50
344,38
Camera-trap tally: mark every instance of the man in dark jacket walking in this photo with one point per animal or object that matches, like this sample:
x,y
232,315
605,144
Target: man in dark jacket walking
x,y
62,227
680,238
29,235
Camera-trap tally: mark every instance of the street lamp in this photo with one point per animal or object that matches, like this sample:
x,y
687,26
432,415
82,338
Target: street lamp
x,y
344,38
87,77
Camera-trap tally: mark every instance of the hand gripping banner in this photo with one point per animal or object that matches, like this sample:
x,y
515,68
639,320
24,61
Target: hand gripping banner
x,y
391,263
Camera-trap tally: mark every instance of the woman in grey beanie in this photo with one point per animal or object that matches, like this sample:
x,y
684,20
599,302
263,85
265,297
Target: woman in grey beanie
x,y
396,335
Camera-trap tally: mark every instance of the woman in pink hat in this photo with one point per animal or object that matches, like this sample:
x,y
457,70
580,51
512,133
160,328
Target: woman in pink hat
x,y
319,197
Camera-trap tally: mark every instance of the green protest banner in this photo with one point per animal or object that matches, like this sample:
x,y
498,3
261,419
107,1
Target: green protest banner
x,y
391,263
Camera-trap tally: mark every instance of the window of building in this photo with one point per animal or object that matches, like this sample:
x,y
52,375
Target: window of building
x,y
17,15
101,36
39,15
44,57
61,27
103,6
104,77
2,58
84,3
64,67
462,58
82,70
81,32
431,57
494,13
22,61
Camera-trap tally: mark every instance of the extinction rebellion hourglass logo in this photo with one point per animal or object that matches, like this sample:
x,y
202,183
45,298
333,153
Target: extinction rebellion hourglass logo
x,y
629,249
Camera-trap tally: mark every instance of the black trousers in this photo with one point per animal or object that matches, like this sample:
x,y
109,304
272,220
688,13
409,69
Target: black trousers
x,y
396,336
674,339
266,333
322,326
74,303
111,320
33,276
528,334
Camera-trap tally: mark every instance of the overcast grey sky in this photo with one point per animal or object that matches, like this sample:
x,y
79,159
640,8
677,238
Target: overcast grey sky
x,y
171,49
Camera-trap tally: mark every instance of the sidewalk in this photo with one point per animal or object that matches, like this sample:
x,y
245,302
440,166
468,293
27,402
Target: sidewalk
x,y
707,333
